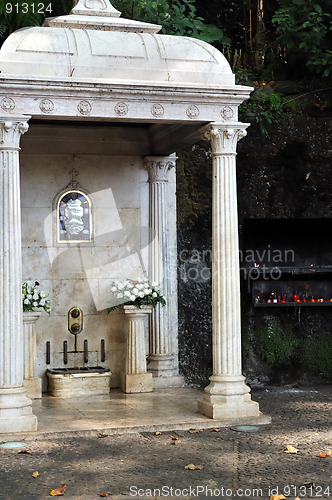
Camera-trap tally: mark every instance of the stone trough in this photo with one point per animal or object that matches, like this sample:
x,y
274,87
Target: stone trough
x,y
75,382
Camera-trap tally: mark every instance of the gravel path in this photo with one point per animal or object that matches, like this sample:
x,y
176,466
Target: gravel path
x,y
236,461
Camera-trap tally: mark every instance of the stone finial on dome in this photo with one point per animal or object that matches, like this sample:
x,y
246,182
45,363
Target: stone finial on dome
x,y
98,15
94,8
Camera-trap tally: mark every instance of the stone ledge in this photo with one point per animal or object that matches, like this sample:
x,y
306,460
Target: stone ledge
x,y
129,429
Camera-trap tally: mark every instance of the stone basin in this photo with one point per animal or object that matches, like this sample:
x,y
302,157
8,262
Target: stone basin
x,y
78,381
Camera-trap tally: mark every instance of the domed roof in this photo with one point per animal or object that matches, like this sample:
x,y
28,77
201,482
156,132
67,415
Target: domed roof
x,y
92,44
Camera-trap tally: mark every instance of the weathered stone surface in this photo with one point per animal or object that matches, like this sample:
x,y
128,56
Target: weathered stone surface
x,y
272,183
78,384
289,87
259,92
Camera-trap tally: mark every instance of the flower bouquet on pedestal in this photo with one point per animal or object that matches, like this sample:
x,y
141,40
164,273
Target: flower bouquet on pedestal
x,y
138,293
33,296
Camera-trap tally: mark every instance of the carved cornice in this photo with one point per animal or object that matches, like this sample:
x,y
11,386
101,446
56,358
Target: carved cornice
x,y
224,137
158,167
11,129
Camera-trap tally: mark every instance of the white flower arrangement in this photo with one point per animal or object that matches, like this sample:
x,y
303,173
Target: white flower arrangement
x,y
137,292
32,297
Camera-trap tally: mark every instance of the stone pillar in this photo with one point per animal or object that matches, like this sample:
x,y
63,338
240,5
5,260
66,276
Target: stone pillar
x,y
226,396
31,382
136,378
15,407
160,360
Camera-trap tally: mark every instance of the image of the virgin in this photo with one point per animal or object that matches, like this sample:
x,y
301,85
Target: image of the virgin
x,y
73,217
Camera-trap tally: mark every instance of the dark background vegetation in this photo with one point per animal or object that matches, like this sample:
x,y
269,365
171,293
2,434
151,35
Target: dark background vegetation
x,y
283,49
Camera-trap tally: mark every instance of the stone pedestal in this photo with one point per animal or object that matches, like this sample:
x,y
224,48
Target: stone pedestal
x,y
15,407
136,378
31,382
160,360
226,396
73,385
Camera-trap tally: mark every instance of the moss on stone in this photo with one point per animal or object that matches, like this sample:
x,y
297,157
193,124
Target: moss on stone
x,y
274,342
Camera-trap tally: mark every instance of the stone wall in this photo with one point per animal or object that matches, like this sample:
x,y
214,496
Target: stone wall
x,y
109,161
287,176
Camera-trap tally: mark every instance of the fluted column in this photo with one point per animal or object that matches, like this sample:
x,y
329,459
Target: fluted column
x,y
226,396
31,382
159,359
15,407
136,378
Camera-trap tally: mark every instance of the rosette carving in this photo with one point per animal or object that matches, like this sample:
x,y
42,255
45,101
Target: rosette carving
x,y
121,109
7,104
192,112
84,107
157,110
46,106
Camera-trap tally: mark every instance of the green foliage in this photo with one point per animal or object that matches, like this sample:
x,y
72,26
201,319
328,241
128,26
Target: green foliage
x,y
177,17
317,354
268,110
304,31
21,13
242,76
16,15
274,343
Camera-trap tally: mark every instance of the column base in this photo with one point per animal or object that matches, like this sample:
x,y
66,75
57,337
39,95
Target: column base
x,y
136,382
163,382
33,387
226,397
160,365
16,411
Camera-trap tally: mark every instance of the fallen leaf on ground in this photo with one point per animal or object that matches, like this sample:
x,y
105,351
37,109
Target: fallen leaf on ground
x,y
194,467
326,455
103,495
277,497
101,435
174,440
35,474
158,433
194,431
291,449
217,429
297,498
58,491
24,451
308,483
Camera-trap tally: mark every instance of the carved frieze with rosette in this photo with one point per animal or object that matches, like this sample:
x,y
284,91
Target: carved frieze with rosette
x,y
157,110
192,112
46,105
121,109
7,104
84,107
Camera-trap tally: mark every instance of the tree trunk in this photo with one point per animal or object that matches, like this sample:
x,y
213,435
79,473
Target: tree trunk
x,y
260,36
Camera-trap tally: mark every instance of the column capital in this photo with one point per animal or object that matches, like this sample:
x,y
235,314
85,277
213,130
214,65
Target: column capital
x,y
158,166
11,129
224,137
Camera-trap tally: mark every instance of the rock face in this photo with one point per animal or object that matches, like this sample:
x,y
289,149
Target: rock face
x,y
287,176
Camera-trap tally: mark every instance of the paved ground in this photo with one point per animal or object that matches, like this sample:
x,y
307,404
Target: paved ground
x,y
133,465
